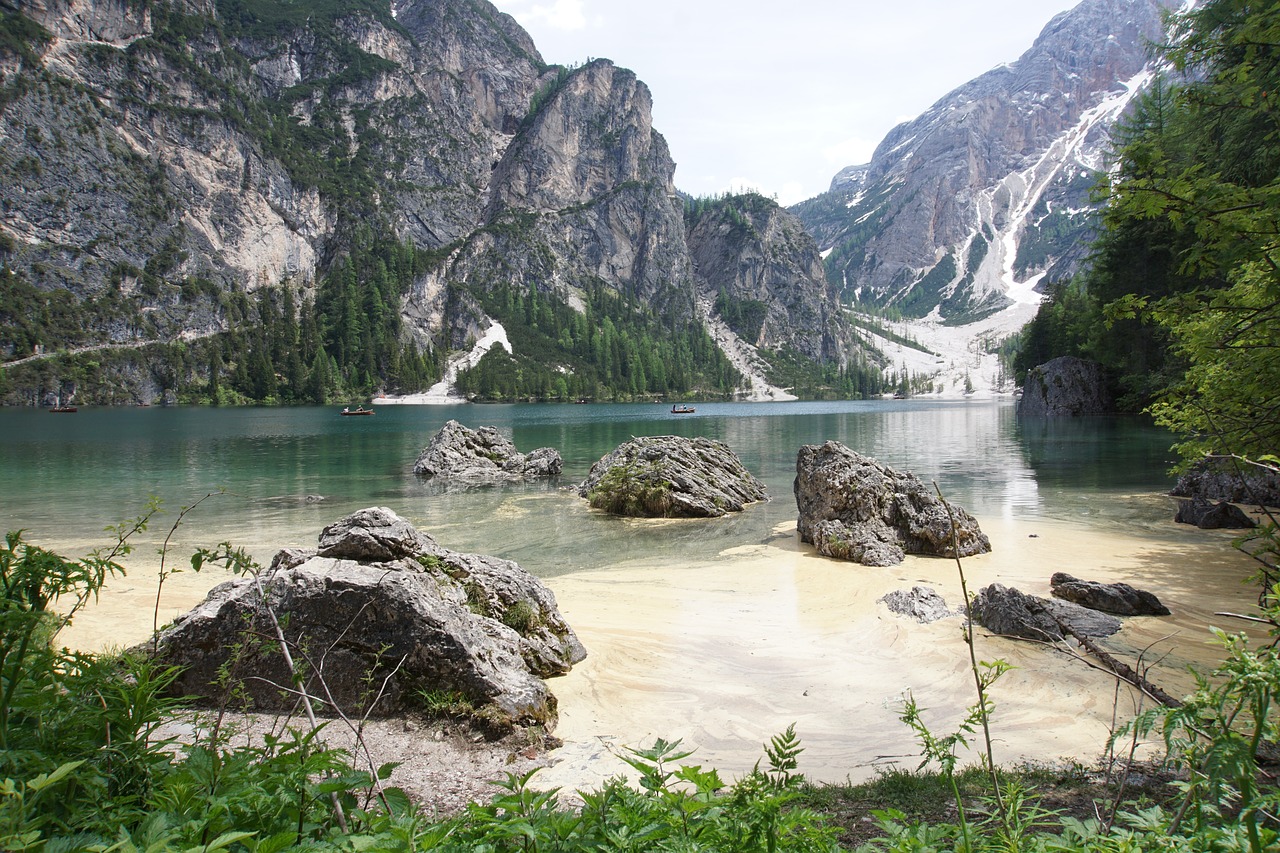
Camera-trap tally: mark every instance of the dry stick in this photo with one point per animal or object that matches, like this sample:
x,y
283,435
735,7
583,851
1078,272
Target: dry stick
x,y
1121,668
1243,616
358,731
973,655
293,672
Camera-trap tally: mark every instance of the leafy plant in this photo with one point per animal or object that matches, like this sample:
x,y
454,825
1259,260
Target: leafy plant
x,y
632,489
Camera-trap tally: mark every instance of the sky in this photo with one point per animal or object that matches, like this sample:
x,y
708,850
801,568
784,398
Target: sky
x,y
778,96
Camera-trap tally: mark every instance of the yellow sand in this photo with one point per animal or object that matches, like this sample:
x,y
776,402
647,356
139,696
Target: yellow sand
x,y
724,654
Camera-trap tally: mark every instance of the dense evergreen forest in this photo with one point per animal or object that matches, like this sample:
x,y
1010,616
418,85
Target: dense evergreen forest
x,y
1182,300
334,332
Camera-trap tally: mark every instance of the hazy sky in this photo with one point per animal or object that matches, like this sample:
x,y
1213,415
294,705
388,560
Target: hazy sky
x,y
778,96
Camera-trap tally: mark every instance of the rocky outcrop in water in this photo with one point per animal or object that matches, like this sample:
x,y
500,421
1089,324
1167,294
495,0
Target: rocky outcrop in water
x,y
921,603
668,476
1209,515
1229,480
1118,598
482,455
1013,613
1065,386
380,615
853,508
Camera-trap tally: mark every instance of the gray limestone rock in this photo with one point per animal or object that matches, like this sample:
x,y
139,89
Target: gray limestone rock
x,y
921,603
1224,479
1208,515
482,456
380,615
853,508
668,476
1080,619
1065,386
1013,613
1119,598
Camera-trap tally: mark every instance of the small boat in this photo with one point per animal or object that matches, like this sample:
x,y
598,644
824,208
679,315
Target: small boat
x,y
359,410
682,410
63,409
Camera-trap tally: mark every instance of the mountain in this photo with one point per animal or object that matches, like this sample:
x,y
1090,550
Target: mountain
x,y
963,210
269,200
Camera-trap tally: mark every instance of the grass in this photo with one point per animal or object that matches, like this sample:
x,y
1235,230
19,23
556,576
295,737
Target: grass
x,y
926,796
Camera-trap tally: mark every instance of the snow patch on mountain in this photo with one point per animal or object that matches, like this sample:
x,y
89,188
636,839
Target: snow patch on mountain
x,y
441,394
960,361
743,357
1005,208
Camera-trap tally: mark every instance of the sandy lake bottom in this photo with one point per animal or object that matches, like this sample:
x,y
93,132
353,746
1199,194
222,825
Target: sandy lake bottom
x,y
727,652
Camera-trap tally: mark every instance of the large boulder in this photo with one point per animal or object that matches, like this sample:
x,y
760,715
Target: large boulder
x,y
379,617
853,508
1229,480
1118,598
1065,386
667,476
482,455
1013,613
1208,515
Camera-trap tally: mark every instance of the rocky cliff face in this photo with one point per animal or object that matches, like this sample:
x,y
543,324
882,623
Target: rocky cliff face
x,y
749,254
158,158
988,190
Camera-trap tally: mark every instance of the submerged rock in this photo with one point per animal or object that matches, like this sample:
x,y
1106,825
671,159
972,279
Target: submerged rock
x,y
379,617
1118,598
667,476
921,603
482,455
1081,620
853,508
1065,386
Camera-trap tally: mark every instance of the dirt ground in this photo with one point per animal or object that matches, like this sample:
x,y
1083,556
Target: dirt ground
x,y
443,766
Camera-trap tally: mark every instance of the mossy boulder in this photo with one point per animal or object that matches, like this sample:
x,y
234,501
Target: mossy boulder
x,y
668,476
381,618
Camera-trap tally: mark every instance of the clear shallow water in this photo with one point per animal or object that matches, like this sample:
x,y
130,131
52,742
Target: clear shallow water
x,y
64,478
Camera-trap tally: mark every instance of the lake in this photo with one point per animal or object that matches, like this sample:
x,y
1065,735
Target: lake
x,y
64,477
721,631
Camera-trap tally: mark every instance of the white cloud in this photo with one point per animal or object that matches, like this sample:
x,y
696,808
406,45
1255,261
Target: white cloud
x,y
853,151
792,192
742,89
559,15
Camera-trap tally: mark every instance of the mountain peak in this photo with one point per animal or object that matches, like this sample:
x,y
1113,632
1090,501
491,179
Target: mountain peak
x,y
988,189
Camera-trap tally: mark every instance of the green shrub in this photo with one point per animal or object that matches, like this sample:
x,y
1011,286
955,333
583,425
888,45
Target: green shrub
x,y
633,490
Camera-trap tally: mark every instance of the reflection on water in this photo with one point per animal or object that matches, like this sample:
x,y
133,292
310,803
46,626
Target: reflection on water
x,y
720,631
65,479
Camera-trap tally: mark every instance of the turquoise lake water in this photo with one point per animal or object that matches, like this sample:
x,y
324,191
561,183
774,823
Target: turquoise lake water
x,y
65,477
721,631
